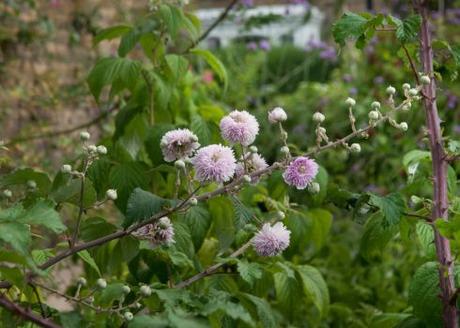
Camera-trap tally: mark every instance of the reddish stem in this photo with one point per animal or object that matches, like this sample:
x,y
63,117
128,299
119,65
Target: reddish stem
x,y
440,196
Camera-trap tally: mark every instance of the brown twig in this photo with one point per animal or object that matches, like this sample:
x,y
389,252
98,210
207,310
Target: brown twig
x,y
411,62
26,313
56,133
219,19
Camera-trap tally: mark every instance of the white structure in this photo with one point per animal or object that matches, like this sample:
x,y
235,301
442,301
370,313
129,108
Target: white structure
x,y
293,27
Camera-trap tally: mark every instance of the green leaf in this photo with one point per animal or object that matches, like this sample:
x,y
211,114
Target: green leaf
x,y
243,214
392,207
264,310
141,206
152,142
406,29
349,26
126,177
415,156
198,220
183,239
249,272
424,294
221,301
16,234
172,17
178,66
201,128
43,213
22,176
321,222
376,236
288,292
110,33
95,227
85,256
314,287
147,321
128,42
214,63
111,293
120,72
221,210
70,193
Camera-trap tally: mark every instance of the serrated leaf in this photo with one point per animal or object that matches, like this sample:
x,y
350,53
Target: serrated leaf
x,y
320,226
314,286
288,291
198,220
392,207
110,33
22,176
221,301
406,29
249,271
148,321
424,294
121,72
214,63
349,26
16,234
85,256
142,205
243,214
376,236
200,127
43,213
183,239
264,311
152,142
111,293
415,156
221,210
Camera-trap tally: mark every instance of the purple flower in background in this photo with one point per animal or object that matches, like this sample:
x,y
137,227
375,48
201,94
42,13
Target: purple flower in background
x,y
347,78
271,240
252,46
178,144
452,101
353,91
239,127
379,80
264,45
214,163
328,54
247,3
300,172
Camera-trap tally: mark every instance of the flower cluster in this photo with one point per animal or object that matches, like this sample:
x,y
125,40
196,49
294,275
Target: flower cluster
x,y
214,163
239,127
300,172
271,240
159,233
178,144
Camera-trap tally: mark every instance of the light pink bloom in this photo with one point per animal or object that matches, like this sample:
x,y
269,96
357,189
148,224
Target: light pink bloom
x,y
277,115
300,172
271,240
178,144
254,162
214,163
239,127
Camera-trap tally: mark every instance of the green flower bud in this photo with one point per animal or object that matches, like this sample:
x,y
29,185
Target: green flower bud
x,y
111,194
406,86
81,281
102,150
403,126
375,105
193,201
314,188
391,90
180,164
280,215
101,283
318,117
284,150
374,115
84,136
355,148
413,92
425,79
31,184
145,291
128,316
7,193
253,149
247,178
126,289
66,168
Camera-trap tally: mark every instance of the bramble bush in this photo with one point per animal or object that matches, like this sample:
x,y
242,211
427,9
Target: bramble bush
x,y
189,215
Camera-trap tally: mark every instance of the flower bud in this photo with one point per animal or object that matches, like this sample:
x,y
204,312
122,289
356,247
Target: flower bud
x,y
66,168
247,178
31,184
90,299
318,117
406,86
406,107
413,92
355,148
92,149
403,126
125,289
145,291
284,135
193,201
111,194
253,149
391,90
84,136
425,79
137,305
128,316
81,281
375,105
7,193
374,115
314,188
277,115
322,130
179,164
101,150
415,199
350,102
280,215
284,150
101,283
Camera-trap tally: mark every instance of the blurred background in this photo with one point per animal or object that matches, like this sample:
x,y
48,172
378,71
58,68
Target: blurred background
x,y
276,53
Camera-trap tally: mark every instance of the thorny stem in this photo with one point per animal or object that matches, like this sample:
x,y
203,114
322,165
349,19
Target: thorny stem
x,y
439,164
